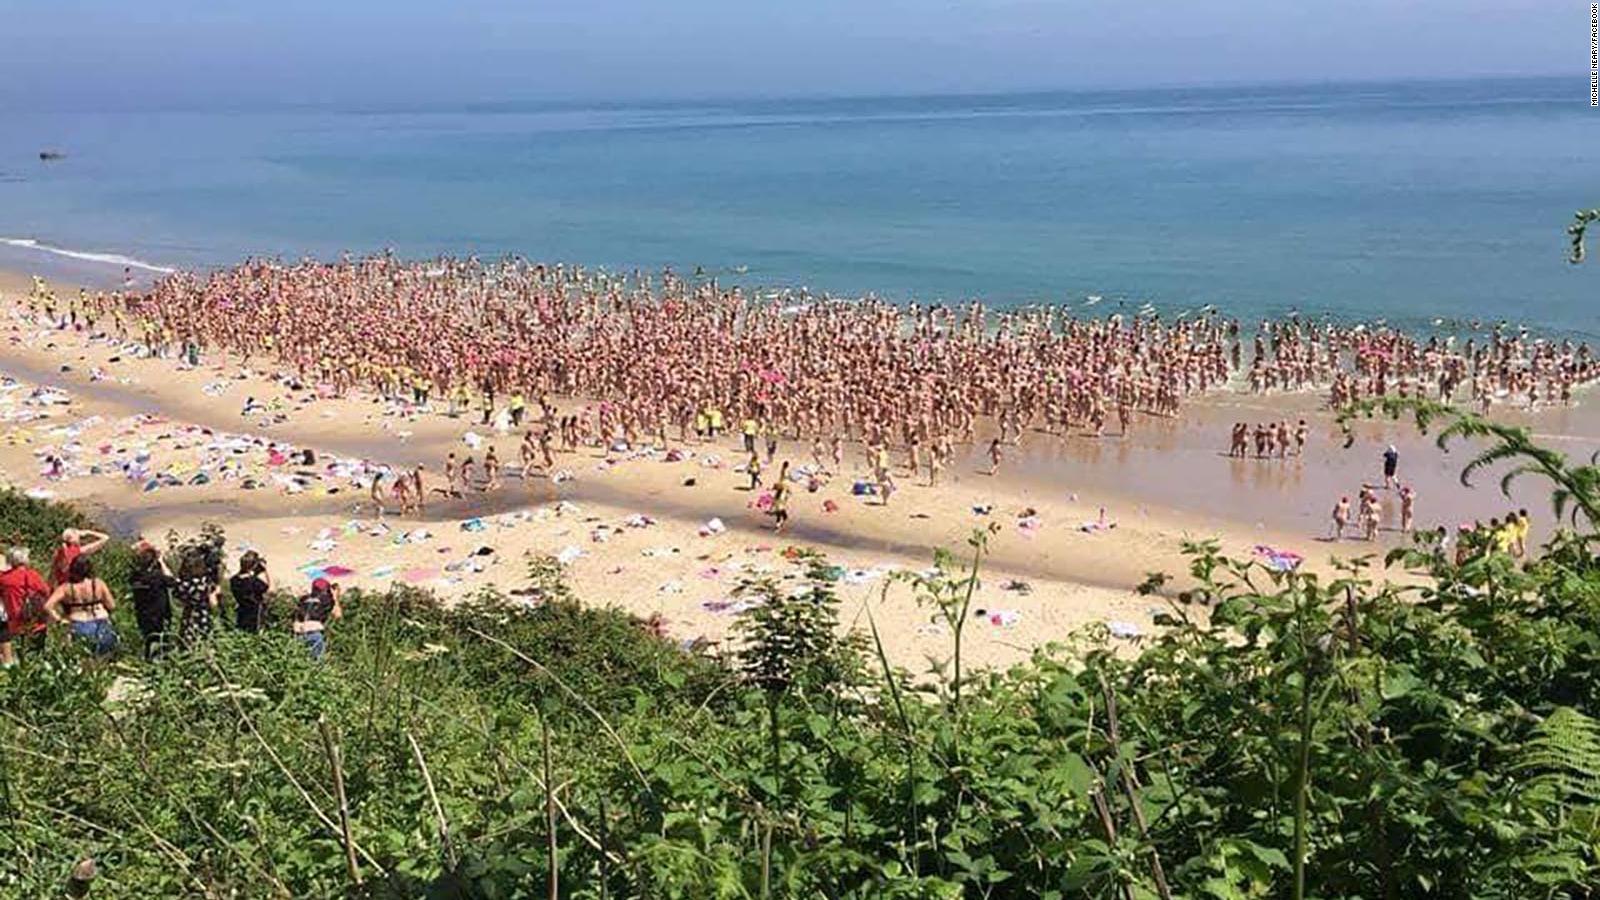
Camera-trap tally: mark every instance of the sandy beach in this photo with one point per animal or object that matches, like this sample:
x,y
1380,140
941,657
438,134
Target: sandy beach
x,y
150,446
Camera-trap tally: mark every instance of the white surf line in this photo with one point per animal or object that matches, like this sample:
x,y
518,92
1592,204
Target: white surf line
x,y
110,259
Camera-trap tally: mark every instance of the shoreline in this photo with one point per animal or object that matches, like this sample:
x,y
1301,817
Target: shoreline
x,y
1168,480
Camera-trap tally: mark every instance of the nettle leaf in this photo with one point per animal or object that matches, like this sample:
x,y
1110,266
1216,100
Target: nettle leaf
x,y
1080,776
1268,855
1398,682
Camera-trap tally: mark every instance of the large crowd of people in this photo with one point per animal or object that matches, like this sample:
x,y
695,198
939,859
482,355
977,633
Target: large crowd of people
x,y
1353,363
665,353
658,352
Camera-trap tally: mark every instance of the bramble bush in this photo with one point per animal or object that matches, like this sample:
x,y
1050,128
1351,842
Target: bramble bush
x,y
1281,735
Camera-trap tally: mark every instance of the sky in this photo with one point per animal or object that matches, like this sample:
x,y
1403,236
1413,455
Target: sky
x,y
142,54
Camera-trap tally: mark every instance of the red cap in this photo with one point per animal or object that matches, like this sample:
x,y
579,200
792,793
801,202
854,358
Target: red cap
x,y
321,584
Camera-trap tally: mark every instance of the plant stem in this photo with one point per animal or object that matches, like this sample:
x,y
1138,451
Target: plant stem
x,y
337,764
775,745
549,812
912,834
1130,786
775,741
605,873
979,541
433,797
766,860
1303,774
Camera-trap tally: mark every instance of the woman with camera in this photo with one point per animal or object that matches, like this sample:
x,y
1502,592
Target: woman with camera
x,y
249,588
151,587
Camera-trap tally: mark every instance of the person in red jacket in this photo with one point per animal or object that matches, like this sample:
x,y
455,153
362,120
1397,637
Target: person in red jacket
x,y
22,593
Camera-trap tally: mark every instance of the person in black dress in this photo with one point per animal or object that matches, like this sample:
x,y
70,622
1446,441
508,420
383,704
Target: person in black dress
x,y
151,586
249,588
197,597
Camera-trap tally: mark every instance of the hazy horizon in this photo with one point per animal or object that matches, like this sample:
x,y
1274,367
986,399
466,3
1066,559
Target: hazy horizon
x,y
162,54
647,101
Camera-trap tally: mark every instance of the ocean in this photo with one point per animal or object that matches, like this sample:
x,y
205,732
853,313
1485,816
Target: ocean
x,y
1406,202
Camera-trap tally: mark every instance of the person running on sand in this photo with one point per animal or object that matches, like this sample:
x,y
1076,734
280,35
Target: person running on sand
x,y
400,492
526,453
994,456
452,473
1371,515
752,467
1341,517
487,398
491,469
375,492
544,449
780,500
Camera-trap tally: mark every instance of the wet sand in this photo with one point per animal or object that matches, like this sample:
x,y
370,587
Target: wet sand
x,y
1167,480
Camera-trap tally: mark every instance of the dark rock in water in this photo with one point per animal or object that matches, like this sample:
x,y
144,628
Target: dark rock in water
x,y
51,155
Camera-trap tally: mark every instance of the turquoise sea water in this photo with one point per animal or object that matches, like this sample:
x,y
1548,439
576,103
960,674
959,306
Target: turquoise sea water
x,y
1400,201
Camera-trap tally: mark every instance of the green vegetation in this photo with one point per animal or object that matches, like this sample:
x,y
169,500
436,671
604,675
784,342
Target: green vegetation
x,y
1581,220
1284,735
